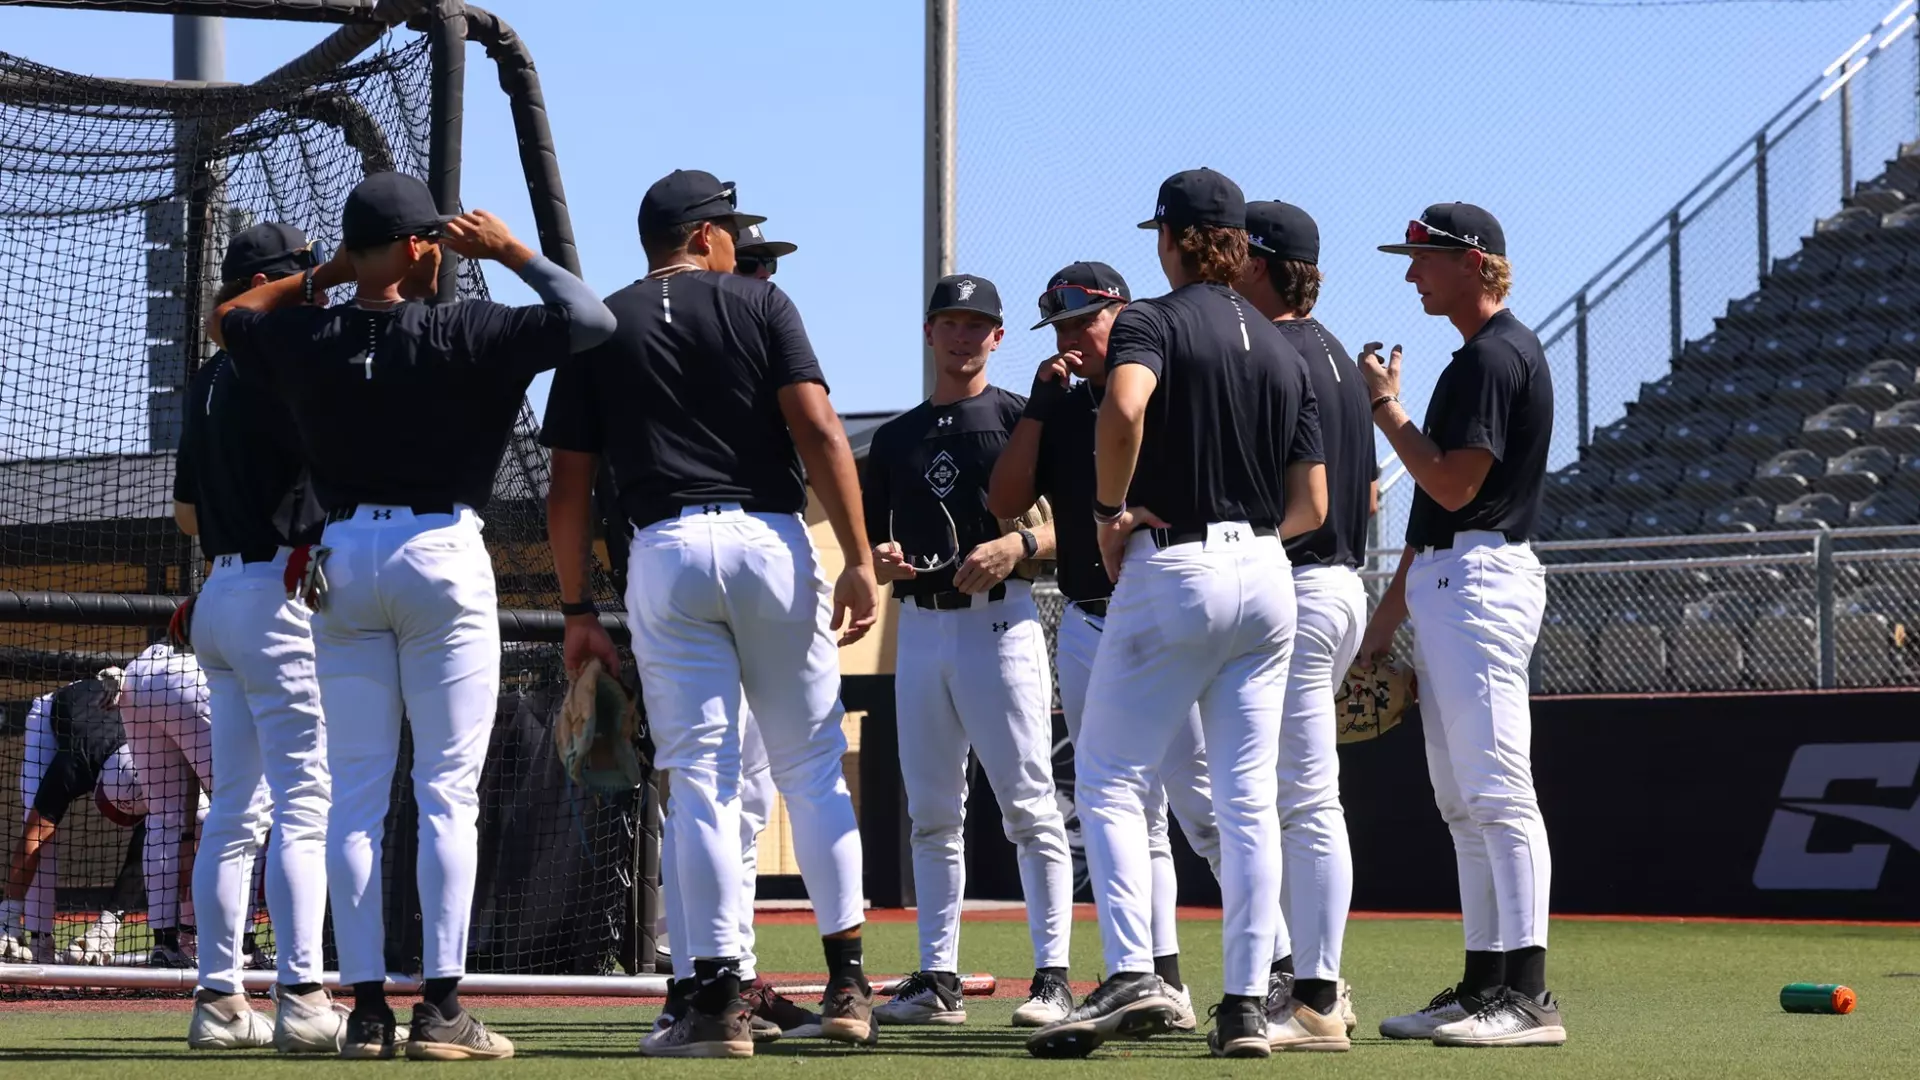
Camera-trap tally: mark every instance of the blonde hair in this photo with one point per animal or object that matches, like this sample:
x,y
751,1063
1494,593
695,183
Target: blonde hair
x,y
1496,276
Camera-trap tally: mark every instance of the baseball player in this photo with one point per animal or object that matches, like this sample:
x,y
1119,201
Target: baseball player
x,y
1208,455
1282,279
758,257
1475,592
706,402
972,658
240,487
1050,454
75,747
404,409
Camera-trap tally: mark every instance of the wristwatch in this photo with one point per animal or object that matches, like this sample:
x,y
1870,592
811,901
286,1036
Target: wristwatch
x,y
1029,542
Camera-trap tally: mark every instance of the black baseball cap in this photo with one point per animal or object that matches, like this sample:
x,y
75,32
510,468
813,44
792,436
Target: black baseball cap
x,y
1283,231
686,195
272,248
1199,197
1080,288
964,292
752,241
386,207
1454,226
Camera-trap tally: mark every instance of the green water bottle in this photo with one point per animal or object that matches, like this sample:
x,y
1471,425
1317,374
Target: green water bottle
x,y
1829,998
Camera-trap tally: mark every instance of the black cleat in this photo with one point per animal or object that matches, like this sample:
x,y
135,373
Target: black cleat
x,y
1240,1030
369,1035
847,1015
433,1037
1130,1005
699,1034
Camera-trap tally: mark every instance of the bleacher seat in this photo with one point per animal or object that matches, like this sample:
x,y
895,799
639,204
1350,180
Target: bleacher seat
x,y
1762,433
1707,650
1625,439
1816,511
1644,482
1695,436
1906,475
1785,347
1715,478
1863,638
1880,384
1807,388
1836,429
1742,513
1631,654
1890,301
1737,391
1669,518
1565,650
1721,350
1671,396
1898,427
1849,224
1576,484
1787,475
1906,218
1830,304
1857,473
1886,508
1804,268
1761,310
1783,652
1873,263
1595,521
1848,346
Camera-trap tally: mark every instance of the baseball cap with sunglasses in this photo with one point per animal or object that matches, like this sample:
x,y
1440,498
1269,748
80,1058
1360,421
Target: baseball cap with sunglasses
x,y
688,195
1452,227
1080,289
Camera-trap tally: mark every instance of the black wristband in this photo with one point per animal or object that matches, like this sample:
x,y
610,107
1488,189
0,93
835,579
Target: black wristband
x,y
583,607
1104,512
1383,399
1029,542
1046,396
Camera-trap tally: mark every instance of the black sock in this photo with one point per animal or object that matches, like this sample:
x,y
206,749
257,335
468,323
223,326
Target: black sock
x,y
1168,968
1320,995
1230,1001
1527,970
302,989
846,959
716,983
1282,966
250,945
168,937
443,995
1485,970
947,979
371,997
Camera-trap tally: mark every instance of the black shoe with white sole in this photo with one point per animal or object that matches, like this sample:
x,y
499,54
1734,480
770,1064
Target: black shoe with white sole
x,y
1131,1005
1507,1018
1240,1030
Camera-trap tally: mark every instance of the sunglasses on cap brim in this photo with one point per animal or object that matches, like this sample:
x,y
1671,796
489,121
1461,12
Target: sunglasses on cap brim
x,y
1062,299
1419,232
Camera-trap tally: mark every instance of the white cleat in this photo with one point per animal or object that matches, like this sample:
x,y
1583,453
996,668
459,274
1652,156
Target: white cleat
x,y
1507,1019
1304,1029
1049,1000
14,951
920,999
1184,1020
227,1022
95,947
307,1023
1445,1008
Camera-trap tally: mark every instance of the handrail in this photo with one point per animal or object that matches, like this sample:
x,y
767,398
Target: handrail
x,y
1857,532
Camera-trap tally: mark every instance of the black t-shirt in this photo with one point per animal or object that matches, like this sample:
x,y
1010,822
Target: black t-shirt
x,y
683,399
1232,409
1346,434
241,467
1496,395
405,407
1064,473
930,456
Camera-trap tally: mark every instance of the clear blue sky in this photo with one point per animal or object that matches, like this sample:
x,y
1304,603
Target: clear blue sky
x,y
1576,123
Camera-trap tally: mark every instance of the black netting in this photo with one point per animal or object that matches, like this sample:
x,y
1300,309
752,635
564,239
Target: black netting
x,y
116,202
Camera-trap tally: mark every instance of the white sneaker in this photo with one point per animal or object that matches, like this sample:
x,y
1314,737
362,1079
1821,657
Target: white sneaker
x,y
95,947
1445,1008
14,951
226,1022
1304,1029
920,999
307,1023
1507,1019
1049,999
42,950
1184,1020
1351,1018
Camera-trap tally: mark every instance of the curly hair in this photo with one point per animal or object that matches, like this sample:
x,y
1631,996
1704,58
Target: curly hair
x,y
1297,283
1496,276
1211,253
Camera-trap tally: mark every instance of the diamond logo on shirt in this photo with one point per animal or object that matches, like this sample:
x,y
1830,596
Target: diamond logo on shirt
x,y
942,474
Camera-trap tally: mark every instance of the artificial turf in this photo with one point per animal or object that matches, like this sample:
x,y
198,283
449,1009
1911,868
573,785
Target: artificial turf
x,y
1639,1000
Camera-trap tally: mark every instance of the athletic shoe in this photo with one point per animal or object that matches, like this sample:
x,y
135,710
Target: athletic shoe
x,y
40,947
1347,1015
1507,1018
699,1034
433,1037
307,1023
775,1016
1446,1007
1184,1020
95,947
369,1034
226,1022
848,1013
1049,1000
1240,1030
1279,995
168,956
14,951
1131,1005
1305,1029
679,992
920,999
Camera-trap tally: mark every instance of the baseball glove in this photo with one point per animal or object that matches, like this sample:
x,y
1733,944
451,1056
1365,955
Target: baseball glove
x,y
1373,699
598,732
1038,514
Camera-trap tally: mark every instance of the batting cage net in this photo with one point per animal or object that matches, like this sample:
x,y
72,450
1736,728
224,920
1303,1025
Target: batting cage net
x,y
116,202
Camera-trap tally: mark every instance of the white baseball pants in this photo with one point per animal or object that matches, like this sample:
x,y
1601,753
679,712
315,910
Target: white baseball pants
x,y
1180,779
410,626
270,751
757,797
40,748
164,709
1210,621
976,678
1476,614
727,604
1317,885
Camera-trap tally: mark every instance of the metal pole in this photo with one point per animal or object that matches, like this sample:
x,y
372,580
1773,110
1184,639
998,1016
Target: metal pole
x,y
1823,588
941,131
1846,140
1760,202
1580,363
200,55
448,36
1673,283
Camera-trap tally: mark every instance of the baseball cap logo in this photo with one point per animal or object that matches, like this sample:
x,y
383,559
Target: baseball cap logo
x,y
753,232
965,289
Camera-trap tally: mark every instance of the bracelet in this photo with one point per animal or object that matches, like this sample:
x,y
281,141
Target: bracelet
x,y
1383,399
1106,513
583,607
1029,542
306,286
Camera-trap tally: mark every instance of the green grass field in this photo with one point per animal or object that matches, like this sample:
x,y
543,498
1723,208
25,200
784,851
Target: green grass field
x,y
1640,1000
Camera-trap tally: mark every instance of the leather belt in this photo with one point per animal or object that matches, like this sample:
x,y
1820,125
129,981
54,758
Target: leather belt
x,y
1193,534
954,601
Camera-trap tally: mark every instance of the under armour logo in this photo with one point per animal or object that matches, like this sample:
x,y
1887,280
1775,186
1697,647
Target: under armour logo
x,y
1443,583
226,561
381,515
710,508
966,289
1233,534
1261,240
945,421
1000,627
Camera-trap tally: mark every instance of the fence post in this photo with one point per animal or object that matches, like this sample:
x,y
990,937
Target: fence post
x,y
1846,140
1580,364
1823,576
1673,282
1760,201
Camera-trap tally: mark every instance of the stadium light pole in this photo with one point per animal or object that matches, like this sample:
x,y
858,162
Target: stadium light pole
x,y
941,131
